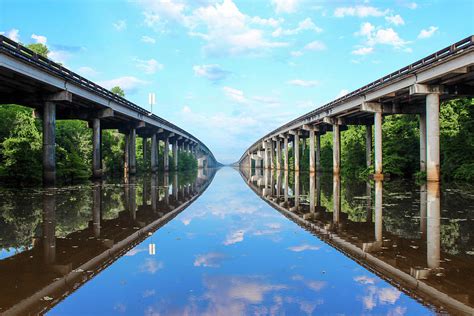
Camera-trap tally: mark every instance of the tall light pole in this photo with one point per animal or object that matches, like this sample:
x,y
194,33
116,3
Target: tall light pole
x,y
151,101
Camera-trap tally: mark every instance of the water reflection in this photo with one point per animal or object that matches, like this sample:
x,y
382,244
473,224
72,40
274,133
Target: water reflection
x,y
73,233
373,223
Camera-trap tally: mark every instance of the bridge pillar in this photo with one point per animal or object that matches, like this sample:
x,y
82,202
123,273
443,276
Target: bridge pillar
x,y
285,144
336,149
175,154
296,151
312,167
278,154
49,143
96,148
378,210
336,192
145,150
126,154
267,154
318,152
433,235
432,131
272,154
368,145
133,156
297,190
166,155
154,154
378,145
423,143
96,209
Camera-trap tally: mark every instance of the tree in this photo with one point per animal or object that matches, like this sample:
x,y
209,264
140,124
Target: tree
x,y
39,48
118,91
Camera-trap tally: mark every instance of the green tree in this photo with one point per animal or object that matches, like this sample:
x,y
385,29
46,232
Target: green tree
x,y
39,48
118,91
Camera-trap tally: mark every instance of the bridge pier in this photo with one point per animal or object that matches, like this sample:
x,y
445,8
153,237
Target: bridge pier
x,y
166,154
145,150
96,209
126,154
296,151
368,145
96,149
336,192
278,154
422,142
285,144
433,235
154,154
49,143
378,145
272,154
312,152
175,154
133,156
267,154
432,133
336,149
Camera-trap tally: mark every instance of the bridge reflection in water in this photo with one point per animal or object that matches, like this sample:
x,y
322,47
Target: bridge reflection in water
x,y
388,227
64,237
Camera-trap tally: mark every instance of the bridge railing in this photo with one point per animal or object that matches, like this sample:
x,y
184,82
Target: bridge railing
x,y
462,45
17,50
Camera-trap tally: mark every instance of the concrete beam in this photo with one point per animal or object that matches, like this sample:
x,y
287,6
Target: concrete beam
x,y
63,96
372,107
424,89
105,113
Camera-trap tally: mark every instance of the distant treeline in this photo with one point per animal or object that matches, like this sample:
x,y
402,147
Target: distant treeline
x,y
21,146
401,145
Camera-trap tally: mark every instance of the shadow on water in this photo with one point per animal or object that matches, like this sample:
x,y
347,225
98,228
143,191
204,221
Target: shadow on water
x,y
55,240
417,237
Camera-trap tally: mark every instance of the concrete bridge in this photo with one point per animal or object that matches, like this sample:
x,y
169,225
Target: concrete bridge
x,y
57,93
412,264
415,89
55,267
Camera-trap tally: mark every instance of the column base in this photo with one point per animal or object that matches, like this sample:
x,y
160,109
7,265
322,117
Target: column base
x,y
379,176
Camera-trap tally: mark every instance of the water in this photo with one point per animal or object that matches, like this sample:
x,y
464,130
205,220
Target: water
x,y
230,243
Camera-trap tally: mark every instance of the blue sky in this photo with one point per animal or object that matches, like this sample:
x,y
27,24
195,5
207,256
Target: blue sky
x,y
229,71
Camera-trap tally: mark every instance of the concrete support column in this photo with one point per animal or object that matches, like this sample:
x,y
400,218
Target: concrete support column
x,y
96,146
368,145
154,154
378,145
267,155
312,178
423,143
297,190
175,154
96,209
49,226
378,211
318,152
272,154
49,143
126,155
133,155
432,133
336,191
296,151
145,150
433,235
166,155
285,144
278,154
336,149
312,161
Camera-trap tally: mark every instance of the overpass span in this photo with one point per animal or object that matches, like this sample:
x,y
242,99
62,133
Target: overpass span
x,y
56,92
415,89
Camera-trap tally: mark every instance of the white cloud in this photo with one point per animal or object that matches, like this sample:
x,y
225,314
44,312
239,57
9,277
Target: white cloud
x,y
156,12
267,100
225,30
234,237
342,93
303,247
363,51
395,20
305,25
427,33
315,46
285,6
411,5
267,22
303,83
59,56
151,266
359,11
120,25
13,34
363,279
386,36
87,71
235,94
212,72
39,38
209,260
296,53
150,66
129,84
148,39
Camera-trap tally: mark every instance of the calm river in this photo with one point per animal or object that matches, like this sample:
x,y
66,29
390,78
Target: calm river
x,y
232,242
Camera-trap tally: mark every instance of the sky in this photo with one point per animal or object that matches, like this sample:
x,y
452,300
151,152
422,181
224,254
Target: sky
x,y
230,71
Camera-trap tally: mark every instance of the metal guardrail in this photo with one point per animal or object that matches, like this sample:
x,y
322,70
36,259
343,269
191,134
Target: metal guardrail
x,y
449,51
17,50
